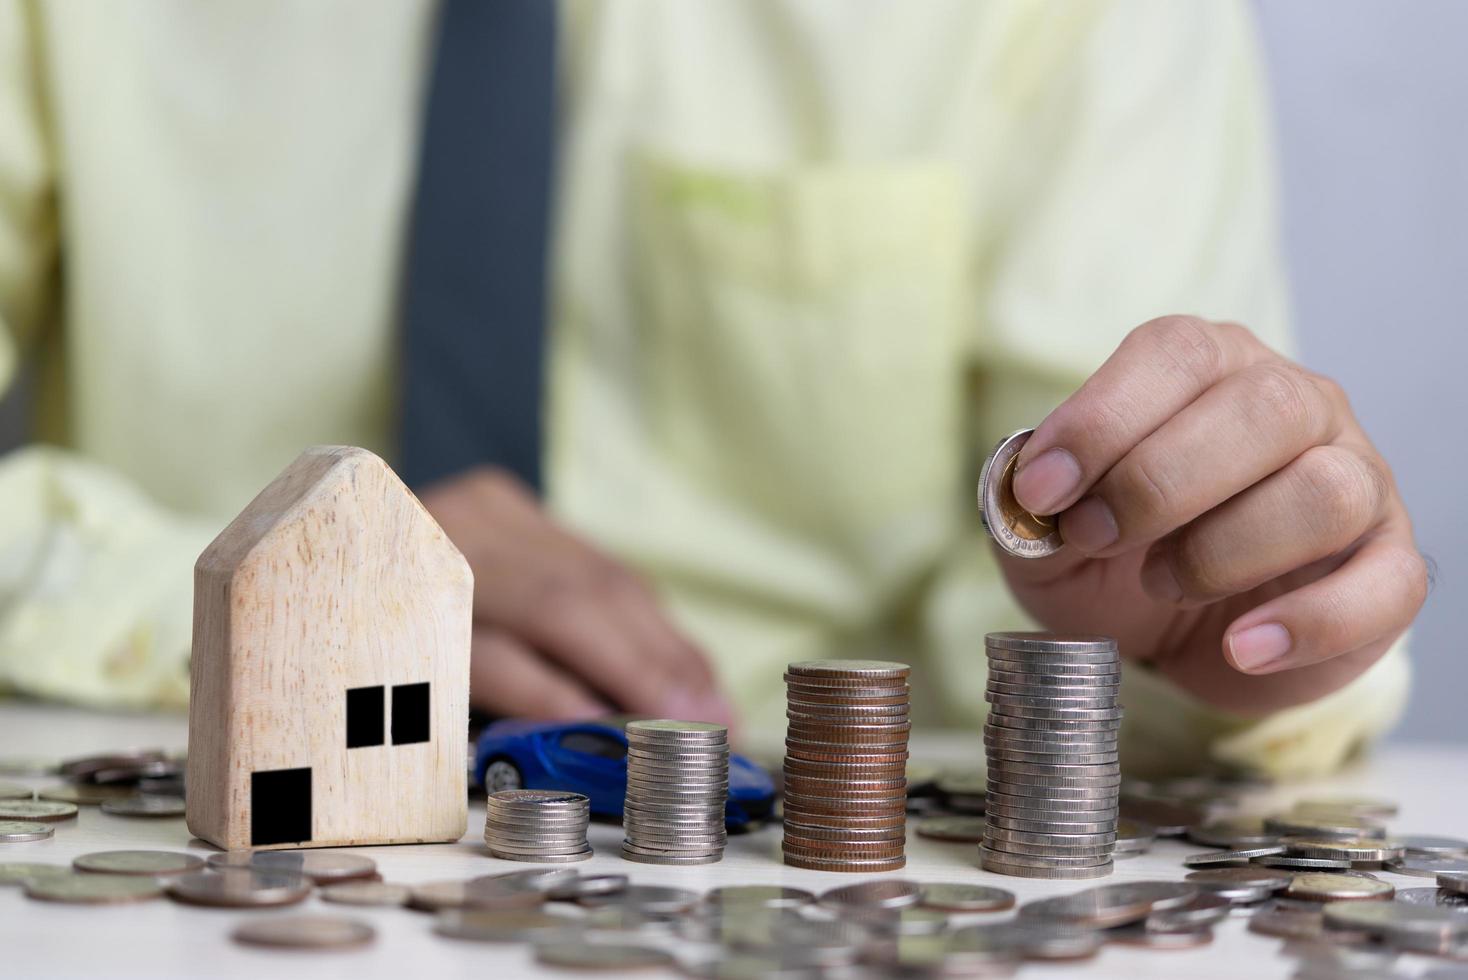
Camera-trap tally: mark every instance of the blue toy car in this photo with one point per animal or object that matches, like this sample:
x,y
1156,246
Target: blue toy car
x,y
590,757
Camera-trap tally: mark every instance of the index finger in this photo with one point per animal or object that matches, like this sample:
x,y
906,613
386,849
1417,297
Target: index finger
x,y
1156,372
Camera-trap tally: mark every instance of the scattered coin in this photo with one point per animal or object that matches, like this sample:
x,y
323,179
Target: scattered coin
x,y
22,831
1243,885
1204,910
1455,882
878,893
1324,825
1015,529
239,888
305,932
15,791
1427,866
575,955
366,893
87,889
320,866
1344,848
145,806
586,886
1232,832
1367,807
1133,837
1411,896
1316,887
1295,863
1111,905
1398,921
966,830
43,811
1441,846
506,925
138,862
1038,940
19,872
1141,934
764,896
1219,859
965,898
652,899
481,893
84,794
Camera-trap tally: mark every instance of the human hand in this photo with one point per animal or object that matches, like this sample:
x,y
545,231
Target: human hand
x,y
1224,516
560,629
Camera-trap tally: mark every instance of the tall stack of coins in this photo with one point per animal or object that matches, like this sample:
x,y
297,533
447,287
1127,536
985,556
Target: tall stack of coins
x,y
542,825
846,765
1050,741
677,788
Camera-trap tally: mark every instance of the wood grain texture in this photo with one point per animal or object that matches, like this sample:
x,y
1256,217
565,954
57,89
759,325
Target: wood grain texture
x,y
333,578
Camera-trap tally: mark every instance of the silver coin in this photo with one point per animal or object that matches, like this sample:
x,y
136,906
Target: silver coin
x,y
1427,866
1005,755
991,863
1233,832
1047,859
1058,714
850,669
88,889
538,799
305,932
239,888
15,791
1293,863
1142,934
1091,775
1253,877
577,955
652,899
19,872
1441,846
1062,842
762,896
1411,896
1345,849
505,925
1454,882
956,897
1218,859
1051,826
1017,723
1395,919
145,806
1112,905
36,811
478,893
962,829
1326,887
1204,910
23,831
368,893
320,866
1341,825
138,862
1103,676
543,857
1016,789
1039,642
882,893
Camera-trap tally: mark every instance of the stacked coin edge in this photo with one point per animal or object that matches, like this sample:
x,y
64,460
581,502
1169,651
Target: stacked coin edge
x,y
544,826
677,792
1050,742
845,798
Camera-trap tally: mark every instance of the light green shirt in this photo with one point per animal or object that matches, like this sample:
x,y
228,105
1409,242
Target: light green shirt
x,y
811,260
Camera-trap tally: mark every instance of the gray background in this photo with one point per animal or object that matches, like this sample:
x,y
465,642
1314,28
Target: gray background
x,y
1374,151
1373,139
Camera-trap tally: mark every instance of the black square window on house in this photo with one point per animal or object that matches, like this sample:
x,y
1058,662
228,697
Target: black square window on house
x,y
409,714
364,716
280,806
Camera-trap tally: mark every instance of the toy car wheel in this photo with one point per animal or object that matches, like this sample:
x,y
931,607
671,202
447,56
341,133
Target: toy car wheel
x,y
502,774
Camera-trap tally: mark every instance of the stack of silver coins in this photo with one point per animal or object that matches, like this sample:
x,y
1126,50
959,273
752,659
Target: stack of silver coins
x,y
542,825
677,789
846,765
1051,745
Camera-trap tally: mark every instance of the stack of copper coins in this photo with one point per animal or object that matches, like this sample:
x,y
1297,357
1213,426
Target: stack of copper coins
x,y
846,765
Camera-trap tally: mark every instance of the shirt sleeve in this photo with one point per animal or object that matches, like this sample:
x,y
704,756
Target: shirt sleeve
x,y
95,590
1152,192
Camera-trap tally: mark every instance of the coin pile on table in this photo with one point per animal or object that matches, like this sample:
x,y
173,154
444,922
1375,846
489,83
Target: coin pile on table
x,y
677,788
541,825
846,765
1051,745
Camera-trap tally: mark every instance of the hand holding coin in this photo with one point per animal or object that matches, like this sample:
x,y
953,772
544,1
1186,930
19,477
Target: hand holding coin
x,y
1223,515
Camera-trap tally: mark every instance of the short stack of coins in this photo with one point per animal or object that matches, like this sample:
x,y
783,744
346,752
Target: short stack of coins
x,y
846,765
677,790
1051,745
542,825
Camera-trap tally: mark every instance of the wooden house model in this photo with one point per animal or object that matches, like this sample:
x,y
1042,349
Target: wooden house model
x,y
330,671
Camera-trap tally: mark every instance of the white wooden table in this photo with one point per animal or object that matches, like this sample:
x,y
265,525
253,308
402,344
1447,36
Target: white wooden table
x,y
161,939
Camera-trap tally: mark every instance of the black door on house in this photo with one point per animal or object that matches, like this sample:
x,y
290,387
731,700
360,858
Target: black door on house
x,y
280,806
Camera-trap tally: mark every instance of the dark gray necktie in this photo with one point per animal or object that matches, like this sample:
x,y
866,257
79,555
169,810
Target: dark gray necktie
x,y
474,306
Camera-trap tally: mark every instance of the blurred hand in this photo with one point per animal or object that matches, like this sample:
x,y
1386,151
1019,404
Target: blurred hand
x,y
560,629
1225,518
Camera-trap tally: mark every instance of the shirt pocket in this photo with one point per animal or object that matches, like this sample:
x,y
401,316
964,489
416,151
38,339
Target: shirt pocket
x,y
802,329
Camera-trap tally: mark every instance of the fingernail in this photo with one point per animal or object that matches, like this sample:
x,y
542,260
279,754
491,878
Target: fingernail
x,y
1045,482
1158,580
1259,646
1089,526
